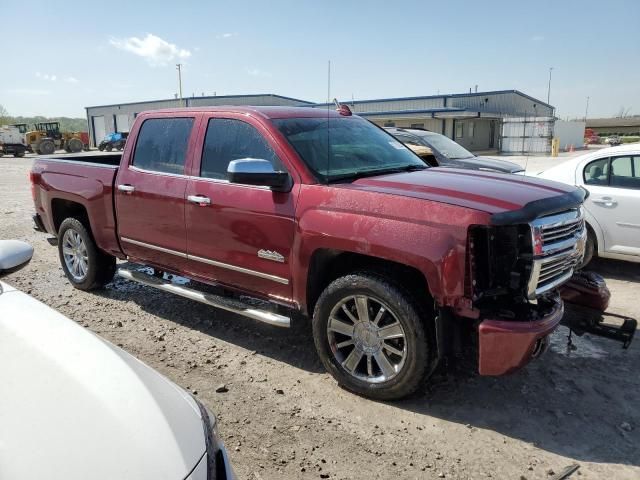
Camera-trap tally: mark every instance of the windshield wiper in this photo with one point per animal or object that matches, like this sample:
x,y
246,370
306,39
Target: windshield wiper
x,y
351,177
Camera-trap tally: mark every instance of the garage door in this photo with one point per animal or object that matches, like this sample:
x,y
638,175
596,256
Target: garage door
x,y
527,135
98,130
122,123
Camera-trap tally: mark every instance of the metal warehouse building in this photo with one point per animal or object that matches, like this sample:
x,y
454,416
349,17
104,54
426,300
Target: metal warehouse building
x,y
508,120
104,119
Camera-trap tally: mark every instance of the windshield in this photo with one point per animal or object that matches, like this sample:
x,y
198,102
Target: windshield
x,y
446,146
336,148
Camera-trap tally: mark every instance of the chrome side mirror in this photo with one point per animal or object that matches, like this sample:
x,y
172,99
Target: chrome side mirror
x,y
253,171
14,255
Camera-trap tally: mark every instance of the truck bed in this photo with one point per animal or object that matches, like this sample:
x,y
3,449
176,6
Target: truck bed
x,y
85,179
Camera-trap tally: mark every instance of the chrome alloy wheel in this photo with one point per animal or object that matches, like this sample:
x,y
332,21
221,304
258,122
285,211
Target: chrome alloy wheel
x,y
367,339
75,255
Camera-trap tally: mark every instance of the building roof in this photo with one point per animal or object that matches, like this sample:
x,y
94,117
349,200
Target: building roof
x,y
448,95
266,112
205,97
614,122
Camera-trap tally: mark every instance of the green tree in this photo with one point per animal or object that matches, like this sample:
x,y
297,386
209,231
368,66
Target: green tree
x,y
4,115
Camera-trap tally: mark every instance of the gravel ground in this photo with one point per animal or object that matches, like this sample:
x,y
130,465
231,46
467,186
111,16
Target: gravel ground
x,y
284,417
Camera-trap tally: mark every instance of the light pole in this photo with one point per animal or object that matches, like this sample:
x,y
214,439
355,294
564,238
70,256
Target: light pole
x,y
549,86
179,68
586,110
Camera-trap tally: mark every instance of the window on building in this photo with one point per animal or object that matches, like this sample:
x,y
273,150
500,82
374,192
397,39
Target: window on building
x,y
389,124
228,140
162,144
597,172
417,125
471,131
459,130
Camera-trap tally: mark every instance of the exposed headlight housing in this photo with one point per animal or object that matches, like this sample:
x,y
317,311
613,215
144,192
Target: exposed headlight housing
x,y
218,465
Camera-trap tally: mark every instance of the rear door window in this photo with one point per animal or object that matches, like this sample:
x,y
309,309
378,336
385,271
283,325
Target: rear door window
x,y
162,145
624,173
228,140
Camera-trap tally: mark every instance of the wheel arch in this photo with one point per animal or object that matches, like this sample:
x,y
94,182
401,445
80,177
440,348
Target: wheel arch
x,y
327,265
62,209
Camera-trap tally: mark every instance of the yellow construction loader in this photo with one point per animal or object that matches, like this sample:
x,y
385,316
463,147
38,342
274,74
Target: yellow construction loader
x,y
46,138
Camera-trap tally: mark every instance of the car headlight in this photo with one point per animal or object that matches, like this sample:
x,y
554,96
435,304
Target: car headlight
x,y
218,466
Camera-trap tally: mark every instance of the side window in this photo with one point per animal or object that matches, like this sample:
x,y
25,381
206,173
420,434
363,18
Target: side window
x,y
624,173
162,144
228,140
597,172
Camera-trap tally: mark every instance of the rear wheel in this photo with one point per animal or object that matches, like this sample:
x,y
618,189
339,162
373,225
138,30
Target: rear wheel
x,y
74,145
371,336
85,266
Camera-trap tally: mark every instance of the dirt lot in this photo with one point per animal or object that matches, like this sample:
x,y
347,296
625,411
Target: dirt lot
x,y
284,417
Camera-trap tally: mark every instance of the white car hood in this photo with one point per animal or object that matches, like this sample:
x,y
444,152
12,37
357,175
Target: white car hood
x,y
73,406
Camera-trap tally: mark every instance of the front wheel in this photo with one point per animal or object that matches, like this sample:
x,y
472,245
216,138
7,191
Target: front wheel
x,y
589,248
46,147
371,335
85,266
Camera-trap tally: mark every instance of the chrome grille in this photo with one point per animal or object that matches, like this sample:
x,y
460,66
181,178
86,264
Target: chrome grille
x,y
558,242
557,233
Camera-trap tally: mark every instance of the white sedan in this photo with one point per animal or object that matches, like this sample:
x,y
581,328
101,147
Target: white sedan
x,y
612,177
74,406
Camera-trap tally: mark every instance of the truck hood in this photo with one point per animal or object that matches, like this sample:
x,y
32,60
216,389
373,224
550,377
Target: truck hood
x,y
490,192
74,406
483,163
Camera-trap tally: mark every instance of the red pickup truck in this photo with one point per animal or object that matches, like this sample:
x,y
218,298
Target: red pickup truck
x,y
397,265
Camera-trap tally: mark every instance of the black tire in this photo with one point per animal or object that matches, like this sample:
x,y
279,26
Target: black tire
x,y
46,147
589,248
19,154
101,147
101,266
74,145
409,312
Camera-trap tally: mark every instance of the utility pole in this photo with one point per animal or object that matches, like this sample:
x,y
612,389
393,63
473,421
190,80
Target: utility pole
x,y
179,68
586,110
549,86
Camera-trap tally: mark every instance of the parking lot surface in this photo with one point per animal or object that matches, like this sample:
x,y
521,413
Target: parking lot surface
x,y
282,416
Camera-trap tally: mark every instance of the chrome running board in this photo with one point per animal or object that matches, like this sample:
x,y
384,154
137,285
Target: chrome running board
x,y
229,304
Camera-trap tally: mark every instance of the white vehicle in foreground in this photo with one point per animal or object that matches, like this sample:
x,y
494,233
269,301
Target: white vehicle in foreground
x,y
612,177
73,406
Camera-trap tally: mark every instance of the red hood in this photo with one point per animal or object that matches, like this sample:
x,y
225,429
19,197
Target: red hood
x,y
485,191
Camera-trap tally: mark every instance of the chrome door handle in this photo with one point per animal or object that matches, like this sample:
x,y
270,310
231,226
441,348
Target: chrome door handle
x,y
606,201
199,199
126,188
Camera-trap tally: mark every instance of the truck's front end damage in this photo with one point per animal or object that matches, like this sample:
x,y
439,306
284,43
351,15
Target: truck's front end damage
x,y
515,266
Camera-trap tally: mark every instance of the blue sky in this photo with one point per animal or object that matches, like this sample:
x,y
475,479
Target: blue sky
x,y
127,51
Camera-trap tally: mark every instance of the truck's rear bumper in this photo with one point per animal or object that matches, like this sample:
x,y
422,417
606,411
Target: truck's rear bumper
x,y
506,346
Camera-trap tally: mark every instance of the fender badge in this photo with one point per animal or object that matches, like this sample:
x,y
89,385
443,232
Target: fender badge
x,y
271,255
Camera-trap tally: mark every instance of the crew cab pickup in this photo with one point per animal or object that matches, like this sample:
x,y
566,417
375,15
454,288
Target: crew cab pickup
x,y
396,264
